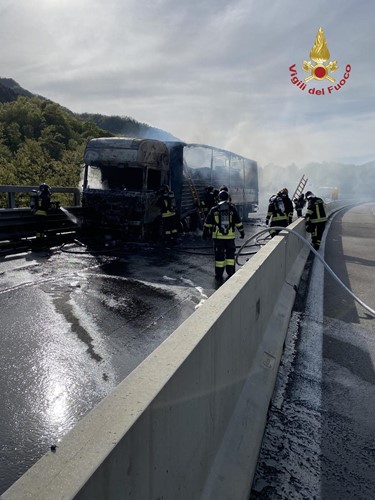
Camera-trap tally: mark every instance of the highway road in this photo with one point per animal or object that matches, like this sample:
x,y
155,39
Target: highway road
x,y
75,322
320,438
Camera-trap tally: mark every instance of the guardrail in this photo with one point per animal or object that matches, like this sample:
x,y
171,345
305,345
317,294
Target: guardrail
x,y
19,223
11,192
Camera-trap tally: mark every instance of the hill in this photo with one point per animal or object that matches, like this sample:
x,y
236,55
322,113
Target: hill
x,y
7,94
10,90
41,142
126,126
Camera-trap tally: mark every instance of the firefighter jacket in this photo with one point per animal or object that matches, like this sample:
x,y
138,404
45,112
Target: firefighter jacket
x,y
167,204
276,212
315,211
43,204
221,222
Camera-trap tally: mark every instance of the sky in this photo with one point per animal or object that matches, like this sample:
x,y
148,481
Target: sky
x,y
216,72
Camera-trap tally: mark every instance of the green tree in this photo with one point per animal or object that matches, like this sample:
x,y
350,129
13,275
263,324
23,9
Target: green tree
x,y
30,161
52,142
13,136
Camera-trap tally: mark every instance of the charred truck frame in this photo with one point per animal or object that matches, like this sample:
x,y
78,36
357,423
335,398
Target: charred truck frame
x,y
122,178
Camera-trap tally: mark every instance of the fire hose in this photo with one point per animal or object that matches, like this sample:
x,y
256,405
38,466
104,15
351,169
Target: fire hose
x,y
306,242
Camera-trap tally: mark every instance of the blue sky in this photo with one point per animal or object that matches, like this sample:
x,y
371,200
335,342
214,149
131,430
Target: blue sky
x,y
207,71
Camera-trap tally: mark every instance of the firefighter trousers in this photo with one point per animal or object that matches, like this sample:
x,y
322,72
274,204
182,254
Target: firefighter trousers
x,y
41,224
225,250
169,225
317,231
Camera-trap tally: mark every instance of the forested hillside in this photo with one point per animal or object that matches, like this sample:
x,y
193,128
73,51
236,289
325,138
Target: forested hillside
x,y
126,126
41,142
10,90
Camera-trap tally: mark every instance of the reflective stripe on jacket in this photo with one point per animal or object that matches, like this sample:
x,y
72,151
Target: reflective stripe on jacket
x,y
212,223
166,204
315,212
40,212
167,212
275,214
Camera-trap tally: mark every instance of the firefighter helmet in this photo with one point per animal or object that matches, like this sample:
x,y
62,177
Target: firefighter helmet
x,y
44,188
164,188
223,196
309,194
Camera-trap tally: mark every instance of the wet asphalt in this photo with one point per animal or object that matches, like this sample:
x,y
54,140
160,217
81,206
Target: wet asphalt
x,y
76,320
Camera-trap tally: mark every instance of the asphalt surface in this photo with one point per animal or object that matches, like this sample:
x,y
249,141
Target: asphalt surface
x,y
320,438
75,321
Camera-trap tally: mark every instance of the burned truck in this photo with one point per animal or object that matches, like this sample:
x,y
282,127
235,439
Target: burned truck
x,y
122,178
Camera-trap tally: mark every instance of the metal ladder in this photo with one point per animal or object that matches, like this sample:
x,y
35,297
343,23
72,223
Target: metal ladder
x,y
300,187
195,195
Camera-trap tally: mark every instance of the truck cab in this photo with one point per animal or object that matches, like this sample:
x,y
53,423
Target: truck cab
x,y
121,181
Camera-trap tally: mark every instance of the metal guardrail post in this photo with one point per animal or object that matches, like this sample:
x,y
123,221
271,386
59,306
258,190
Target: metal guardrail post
x,y
11,200
77,198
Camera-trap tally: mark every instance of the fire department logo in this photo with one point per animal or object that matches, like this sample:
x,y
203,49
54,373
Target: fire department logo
x,y
320,70
320,54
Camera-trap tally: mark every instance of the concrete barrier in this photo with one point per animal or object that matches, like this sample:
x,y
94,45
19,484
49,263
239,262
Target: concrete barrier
x,y
188,422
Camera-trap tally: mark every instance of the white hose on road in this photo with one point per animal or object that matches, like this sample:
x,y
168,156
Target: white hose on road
x,y
306,242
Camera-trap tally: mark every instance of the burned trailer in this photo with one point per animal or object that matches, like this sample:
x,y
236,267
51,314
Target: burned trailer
x,y
194,167
121,182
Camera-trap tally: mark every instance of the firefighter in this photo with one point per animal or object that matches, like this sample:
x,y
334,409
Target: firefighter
x,y
41,206
316,218
288,204
299,204
167,205
220,224
276,215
